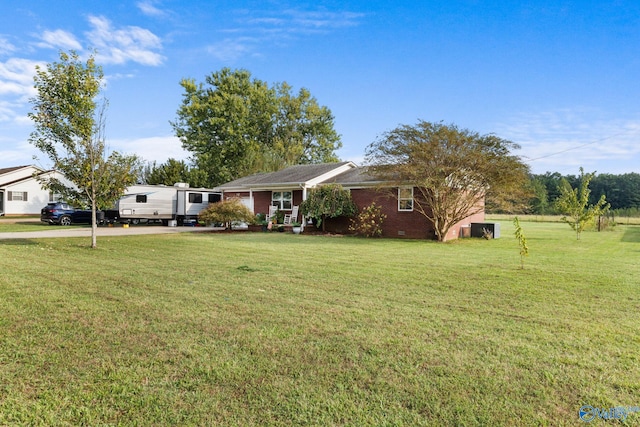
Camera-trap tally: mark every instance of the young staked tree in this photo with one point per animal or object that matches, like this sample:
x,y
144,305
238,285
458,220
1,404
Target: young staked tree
x,y
452,170
522,241
573,203
70,130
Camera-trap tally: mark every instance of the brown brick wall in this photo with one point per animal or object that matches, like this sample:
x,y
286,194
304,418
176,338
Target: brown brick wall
x,y
398,224
410,225
262,199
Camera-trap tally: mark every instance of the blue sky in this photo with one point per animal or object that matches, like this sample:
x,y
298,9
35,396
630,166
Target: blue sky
x,y
560,78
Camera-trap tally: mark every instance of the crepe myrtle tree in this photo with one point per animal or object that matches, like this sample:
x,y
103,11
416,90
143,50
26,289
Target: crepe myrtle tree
x,y
226,212
70,129
328,201
452,170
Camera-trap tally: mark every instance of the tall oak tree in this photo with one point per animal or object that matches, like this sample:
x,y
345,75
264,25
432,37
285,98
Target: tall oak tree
x,y
235,125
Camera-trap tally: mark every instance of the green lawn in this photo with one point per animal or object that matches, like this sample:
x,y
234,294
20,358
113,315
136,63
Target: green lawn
x,y
276,329
15,224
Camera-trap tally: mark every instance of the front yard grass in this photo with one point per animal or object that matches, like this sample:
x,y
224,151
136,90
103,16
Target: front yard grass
x,y
277,329
21,223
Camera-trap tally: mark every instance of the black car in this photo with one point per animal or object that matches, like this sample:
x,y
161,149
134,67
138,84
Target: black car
x,y
64,214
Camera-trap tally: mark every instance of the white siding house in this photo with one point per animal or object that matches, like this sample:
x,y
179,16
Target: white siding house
x,y
20,191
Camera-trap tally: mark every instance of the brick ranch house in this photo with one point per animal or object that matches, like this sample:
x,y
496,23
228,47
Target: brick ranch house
x,y
289,187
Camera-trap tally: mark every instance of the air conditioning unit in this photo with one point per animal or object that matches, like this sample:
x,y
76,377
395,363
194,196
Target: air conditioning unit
x,y
478,229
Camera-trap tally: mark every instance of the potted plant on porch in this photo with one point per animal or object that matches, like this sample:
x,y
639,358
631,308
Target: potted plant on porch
x,y
296,227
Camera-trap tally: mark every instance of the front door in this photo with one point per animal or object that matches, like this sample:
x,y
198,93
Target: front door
x,y
1,203
248,202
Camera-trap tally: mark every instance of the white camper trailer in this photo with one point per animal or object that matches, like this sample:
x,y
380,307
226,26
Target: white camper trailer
x,y
160,202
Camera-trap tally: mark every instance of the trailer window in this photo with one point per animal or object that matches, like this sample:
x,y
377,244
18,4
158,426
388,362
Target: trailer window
x,y
141,198
214,198
195,197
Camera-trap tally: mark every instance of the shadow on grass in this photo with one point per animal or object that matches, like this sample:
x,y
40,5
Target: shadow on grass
x,y
17,242
631,234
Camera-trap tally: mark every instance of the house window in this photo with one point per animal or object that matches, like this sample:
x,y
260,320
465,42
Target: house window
x,y
195,197
282,199
405,199
141,198
17,196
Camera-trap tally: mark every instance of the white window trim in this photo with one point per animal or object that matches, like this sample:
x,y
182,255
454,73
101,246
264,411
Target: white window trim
x,y
281,200
405,198
13,196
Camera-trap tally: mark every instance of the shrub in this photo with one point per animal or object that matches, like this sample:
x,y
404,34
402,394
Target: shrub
x,y
226,212
368,222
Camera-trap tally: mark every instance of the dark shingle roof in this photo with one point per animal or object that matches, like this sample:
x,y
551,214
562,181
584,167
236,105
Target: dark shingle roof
x,y
15,168
354,176
292,175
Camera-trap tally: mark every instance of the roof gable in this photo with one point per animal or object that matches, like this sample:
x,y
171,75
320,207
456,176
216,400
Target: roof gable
x,y
355,177
292,176
4,171
18,173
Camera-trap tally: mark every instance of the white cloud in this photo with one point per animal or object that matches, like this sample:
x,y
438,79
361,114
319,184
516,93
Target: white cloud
x,y
22,153
231,49
60,39
16,77
6,46
149,9
301,20
118,46
563,140
6,111
157,148
259,28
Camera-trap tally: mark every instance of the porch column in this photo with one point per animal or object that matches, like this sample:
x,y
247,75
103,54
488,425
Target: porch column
x,y
304,197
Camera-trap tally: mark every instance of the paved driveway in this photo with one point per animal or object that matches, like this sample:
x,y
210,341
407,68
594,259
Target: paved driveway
x,y
55,231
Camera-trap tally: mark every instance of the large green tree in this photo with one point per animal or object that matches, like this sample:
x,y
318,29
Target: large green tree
x,y
452,170
69,128
235,125
173,171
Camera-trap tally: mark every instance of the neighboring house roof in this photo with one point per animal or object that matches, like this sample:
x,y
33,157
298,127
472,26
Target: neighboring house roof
x,y
7,170
13,178
15,181
293,176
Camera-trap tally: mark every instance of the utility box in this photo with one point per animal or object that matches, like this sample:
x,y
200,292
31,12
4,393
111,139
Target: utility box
x,y
478,229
